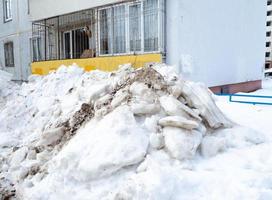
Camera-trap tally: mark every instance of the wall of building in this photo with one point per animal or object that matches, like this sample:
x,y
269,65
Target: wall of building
x,y
268,55
19,32
51,8
216,42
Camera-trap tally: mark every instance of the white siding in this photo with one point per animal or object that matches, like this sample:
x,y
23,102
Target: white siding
x,y
19,32
217,42
42,9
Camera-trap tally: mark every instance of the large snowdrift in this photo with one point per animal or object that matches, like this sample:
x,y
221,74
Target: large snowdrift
x,y
6,87
129,134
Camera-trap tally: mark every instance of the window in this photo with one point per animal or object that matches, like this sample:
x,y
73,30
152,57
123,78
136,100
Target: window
x,y
269,13
135,29
130,27
150,25
269,3
268,23
9,56
75,43
7,10
268,34
112,23
105,26
119,29
268,44
267,54
67,45
36,49
267,65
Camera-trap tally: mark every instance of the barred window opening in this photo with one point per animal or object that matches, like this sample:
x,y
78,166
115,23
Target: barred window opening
x,y
151,25
9,54
135,27
121,29
105,31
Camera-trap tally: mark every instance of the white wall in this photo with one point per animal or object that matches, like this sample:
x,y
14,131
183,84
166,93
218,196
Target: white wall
x,y
19,32
42,9
217,41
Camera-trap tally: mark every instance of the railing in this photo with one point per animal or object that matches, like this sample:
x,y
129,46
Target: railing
x,y
249,99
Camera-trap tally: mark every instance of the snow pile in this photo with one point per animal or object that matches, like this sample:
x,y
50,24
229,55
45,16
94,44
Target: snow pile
x,y
4,78
120,135
7,87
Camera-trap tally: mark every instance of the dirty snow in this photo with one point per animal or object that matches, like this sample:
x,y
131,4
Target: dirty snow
x,y
97,135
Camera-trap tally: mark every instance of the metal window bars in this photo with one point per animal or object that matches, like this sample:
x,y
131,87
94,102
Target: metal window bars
x,y
134,27
9,54
52,38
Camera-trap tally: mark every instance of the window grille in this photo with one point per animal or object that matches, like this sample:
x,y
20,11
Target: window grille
x,y
38,41
105,31
121,29
36,50
136,25
135,29
9,54
151,25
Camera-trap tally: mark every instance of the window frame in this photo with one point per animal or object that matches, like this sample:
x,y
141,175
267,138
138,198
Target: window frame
x,y
36,44
113,23
141,26
9,54
158,26
7,10
71,41
99,31
160,33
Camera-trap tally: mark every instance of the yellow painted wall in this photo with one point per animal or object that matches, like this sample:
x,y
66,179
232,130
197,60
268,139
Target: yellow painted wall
x,y
101,63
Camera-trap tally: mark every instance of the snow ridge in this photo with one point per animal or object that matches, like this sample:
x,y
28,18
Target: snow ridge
x,y
99,135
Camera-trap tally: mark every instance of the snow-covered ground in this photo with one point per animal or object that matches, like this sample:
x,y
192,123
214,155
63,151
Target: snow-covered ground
x,y
55,145
244,171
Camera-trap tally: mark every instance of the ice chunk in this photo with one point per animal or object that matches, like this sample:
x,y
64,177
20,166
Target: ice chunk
x,y
179,122
181,144
144,108
115,142
156,141
52,136
18,156
174,107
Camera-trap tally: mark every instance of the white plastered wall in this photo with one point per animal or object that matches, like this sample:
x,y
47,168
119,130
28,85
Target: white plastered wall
x,y
42,9
216,41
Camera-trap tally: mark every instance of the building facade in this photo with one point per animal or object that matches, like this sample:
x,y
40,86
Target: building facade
x,y
268,44
220,43
15,35
221,46
97,34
